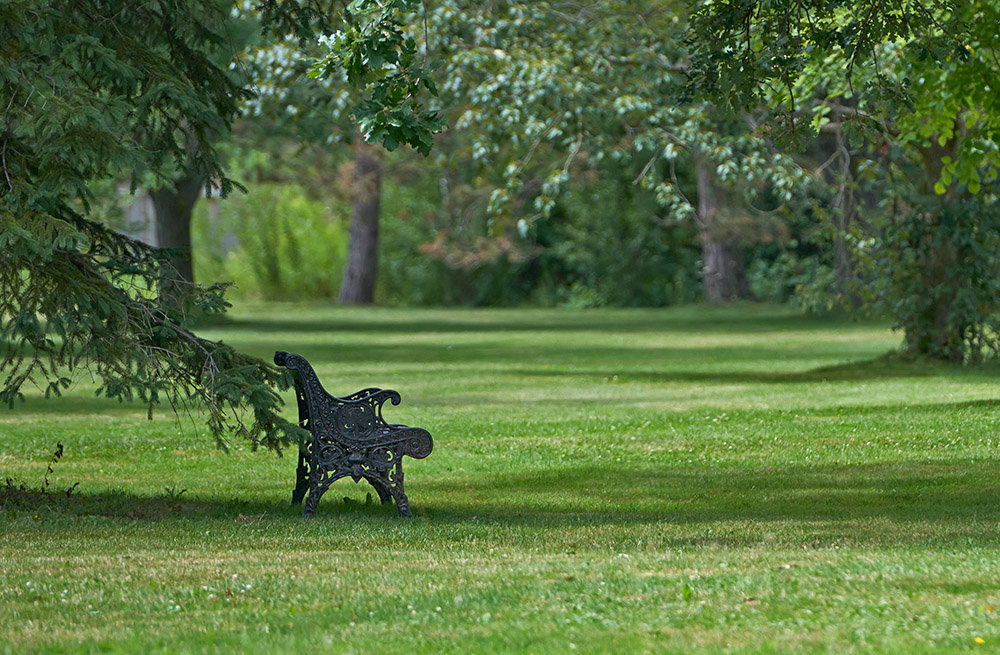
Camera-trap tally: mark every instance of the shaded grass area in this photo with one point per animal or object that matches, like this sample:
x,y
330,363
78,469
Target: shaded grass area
x,y
715,479
928,500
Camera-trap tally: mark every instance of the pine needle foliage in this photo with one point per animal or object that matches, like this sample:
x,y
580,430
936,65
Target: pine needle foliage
x,y
93,90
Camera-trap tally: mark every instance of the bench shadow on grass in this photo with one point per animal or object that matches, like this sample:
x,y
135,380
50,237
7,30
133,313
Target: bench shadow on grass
x,y
916,502
931,499
131,507
922,504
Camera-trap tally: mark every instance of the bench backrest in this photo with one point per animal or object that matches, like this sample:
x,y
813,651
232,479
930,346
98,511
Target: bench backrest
x,y
355,419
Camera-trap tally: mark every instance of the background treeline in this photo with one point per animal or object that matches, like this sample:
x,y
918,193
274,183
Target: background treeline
x,y
606,242
592,159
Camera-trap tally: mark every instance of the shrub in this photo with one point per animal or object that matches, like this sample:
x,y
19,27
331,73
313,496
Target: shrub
x,y
273,243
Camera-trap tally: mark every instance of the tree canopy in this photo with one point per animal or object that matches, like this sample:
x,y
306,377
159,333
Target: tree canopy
x,y
922,70
914,83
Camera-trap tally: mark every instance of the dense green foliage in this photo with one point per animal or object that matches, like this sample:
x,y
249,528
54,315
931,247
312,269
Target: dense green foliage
x,y
927,68
616,83
935,271
729,480
913,85
274,243
377,57
93,90
601,245
538,120
604,90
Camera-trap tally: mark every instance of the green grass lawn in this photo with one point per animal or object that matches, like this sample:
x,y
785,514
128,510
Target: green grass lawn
x,y
714,479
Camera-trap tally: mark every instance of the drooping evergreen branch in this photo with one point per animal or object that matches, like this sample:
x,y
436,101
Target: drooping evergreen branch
x,y
103,303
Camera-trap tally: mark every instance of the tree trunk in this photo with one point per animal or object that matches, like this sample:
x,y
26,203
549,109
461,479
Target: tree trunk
x,y
723,272
843,210
358,285
935,332
173,206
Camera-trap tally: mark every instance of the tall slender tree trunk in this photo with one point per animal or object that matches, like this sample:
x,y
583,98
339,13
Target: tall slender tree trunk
x,y
723,272
173,206
843,208
840,170
358,285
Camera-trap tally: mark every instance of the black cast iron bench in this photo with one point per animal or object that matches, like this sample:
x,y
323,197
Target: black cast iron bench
x,y
349,438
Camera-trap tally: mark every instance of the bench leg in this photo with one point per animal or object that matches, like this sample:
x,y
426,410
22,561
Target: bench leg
x,y
312,500
403,504
389,488
396,488
383,491
301,479
319,481
316,490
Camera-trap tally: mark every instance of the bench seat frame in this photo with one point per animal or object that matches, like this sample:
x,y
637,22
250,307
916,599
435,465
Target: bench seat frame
x,y
349,439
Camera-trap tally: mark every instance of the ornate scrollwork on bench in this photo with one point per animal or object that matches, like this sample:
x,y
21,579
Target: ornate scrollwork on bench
x,y
349,439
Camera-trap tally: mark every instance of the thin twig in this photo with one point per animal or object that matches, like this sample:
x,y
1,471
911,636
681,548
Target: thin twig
x,y
6,172
427,40
645,169
573,152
